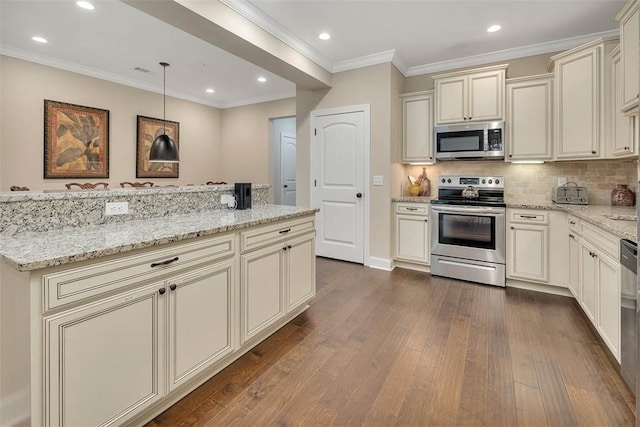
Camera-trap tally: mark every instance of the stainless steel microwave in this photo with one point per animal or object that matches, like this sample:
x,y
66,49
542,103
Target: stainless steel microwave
x,y
482,140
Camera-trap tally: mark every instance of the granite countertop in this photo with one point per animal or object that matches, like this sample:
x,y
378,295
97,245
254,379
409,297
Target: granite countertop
x,y
31,251
618,220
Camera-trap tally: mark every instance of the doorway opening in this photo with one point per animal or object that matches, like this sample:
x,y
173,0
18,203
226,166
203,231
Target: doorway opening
x,y
282,153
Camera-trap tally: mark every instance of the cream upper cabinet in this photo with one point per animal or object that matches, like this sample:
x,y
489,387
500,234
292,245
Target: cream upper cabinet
x,y
581,102
417,127
472,95
629,20
529,118
622,142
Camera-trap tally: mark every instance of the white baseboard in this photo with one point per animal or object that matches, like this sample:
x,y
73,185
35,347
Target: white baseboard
x,y
539,287
15,409
380,263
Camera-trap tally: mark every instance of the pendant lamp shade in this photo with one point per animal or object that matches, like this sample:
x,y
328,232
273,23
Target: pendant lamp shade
x,y
163,148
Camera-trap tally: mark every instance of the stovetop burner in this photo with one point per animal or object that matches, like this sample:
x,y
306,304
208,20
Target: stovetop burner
x,y
490,191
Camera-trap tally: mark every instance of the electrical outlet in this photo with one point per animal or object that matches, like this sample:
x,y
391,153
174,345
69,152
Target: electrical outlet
x,y
377,180
562,181
116,208
224,199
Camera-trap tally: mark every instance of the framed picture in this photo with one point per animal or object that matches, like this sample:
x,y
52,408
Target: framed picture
x,y
148,130
76,141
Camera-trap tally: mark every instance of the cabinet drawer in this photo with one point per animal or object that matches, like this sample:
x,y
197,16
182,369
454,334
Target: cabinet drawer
x,y
413,209
602,240
574,223
74,285
528,216
263,236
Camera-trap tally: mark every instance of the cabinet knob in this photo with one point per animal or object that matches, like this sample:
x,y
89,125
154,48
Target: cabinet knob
x,y
173,287
426,220
470,118
161,291
510,155
626,148
288,246
512,227
284,249
572,236
593,151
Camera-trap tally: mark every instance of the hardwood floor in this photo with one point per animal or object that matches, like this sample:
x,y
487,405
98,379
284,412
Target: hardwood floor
x,y
402,348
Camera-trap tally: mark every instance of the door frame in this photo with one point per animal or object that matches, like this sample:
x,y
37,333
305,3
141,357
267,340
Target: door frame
x,y
281,181
366,109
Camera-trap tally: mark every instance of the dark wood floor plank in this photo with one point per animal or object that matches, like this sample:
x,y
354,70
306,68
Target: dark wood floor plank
x,y
403,348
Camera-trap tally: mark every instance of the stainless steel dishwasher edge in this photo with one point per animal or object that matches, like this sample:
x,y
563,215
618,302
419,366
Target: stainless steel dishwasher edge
x,y
628,311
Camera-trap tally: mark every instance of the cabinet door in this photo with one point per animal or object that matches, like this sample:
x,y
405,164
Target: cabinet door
x,y
578,106
417,129
412,238
301,268
261,290
451,99
609,302
103,361
529,119
528,250
486,96
200,319
622,137
629,43
589,279
574,266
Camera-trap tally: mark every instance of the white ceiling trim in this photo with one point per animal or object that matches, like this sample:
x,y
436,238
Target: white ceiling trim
x,y
262,20
502,55
364,61
92,72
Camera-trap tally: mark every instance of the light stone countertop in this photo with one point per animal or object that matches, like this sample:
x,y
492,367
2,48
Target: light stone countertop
x,y
31,251
620,221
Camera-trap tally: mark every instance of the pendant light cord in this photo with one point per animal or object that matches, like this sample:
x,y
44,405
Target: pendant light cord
x,y
164,97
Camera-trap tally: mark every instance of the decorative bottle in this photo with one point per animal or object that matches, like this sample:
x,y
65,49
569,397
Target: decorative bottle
x,y
425,185
622,196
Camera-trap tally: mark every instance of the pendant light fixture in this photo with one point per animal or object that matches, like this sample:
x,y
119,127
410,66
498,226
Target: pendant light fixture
x,y
163,148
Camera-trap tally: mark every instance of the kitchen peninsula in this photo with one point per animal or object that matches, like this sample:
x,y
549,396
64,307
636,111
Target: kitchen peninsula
x,y
115,319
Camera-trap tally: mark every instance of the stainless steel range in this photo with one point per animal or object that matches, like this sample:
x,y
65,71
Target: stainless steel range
x,y
468,228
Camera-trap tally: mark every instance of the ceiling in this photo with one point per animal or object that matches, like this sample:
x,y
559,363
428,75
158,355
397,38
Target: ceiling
x,y
420,36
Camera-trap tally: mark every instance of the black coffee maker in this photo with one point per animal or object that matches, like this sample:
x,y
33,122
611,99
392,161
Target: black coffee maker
x,y
243,195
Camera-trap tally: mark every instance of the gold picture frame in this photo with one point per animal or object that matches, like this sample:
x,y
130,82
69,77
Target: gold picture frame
x,y
148,130
76,141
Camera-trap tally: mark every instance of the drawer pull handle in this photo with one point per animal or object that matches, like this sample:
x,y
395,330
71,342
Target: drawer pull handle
x,y
284,231
411,209
572,222
173,287
167,262
572,236
529,216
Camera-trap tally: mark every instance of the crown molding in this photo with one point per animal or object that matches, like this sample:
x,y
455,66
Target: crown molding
x,y
364,61
98,74
502,55
263,21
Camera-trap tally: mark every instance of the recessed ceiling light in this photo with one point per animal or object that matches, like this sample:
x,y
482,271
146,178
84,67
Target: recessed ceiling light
x,y
85,5
494,28
262,79
210,90
324,36
39,39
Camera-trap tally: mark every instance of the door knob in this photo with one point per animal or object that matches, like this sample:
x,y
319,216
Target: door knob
x,y
359,195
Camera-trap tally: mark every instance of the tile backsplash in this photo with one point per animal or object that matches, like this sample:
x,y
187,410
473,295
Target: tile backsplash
x,y
535,182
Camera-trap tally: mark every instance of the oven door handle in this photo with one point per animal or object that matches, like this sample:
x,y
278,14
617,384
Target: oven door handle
x,y
492,211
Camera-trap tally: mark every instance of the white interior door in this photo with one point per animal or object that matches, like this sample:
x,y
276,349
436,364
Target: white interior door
x,y
338,185
287,169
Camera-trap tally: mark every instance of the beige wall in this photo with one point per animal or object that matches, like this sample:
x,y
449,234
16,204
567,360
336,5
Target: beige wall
x,y
245,139
25,85
369,85
520,67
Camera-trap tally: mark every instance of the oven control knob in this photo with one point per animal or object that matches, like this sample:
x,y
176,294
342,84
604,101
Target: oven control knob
x,y
497,181
443,180
490,181
449,181
484,181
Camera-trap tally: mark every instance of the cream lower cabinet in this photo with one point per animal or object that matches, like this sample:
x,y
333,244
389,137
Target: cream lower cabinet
x,y
412,233
276,277
528,245
102,361
589,280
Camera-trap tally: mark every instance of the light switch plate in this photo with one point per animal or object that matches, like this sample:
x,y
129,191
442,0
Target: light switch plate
x,y
377,180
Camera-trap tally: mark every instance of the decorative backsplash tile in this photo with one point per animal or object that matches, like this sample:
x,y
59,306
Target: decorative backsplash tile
x,y
535,182
24,212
